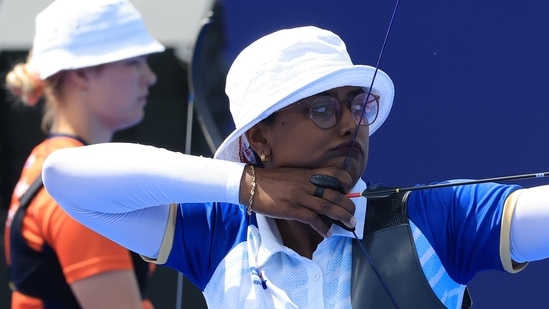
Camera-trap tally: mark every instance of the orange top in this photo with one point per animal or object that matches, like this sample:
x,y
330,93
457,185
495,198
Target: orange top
x,y
82,253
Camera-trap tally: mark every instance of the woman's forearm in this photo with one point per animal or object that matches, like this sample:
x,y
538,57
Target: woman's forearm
x,y
133,176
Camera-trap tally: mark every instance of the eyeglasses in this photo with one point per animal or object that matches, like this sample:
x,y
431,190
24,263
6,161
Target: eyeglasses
x,y
326,111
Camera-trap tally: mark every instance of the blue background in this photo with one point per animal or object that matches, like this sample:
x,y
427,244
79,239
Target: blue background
x,y
471,95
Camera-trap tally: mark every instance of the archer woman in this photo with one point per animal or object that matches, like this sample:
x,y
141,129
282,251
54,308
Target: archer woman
x,y
253,227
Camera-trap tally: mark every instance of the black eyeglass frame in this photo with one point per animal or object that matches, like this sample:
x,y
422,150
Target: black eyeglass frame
x,y
338,109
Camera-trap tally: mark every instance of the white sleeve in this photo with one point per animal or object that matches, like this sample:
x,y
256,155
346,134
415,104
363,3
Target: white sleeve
x,y
118,189
530,225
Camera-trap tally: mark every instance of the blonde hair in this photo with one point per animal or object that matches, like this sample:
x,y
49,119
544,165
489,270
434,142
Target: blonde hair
x,y
29,89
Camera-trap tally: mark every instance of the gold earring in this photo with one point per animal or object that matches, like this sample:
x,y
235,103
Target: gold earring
x,y
263,158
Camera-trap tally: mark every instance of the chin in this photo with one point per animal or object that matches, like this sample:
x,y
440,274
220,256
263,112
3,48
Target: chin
x,y
356,170
130,123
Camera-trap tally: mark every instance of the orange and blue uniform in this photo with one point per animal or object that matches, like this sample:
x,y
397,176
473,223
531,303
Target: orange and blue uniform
x,y
47,250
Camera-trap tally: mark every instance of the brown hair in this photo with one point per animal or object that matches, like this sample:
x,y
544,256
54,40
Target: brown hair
x,y
29,89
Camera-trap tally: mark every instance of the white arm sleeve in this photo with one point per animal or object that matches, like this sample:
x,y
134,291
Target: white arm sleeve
x,y
530,225
122,190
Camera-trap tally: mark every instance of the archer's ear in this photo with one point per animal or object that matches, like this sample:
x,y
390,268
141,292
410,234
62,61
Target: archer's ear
x,y
256,138
78,77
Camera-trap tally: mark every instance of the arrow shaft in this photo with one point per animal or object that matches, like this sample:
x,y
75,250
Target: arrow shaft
x,y
384,192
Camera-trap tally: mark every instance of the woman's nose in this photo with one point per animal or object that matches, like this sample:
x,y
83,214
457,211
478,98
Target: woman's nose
x,y
348,121
150,76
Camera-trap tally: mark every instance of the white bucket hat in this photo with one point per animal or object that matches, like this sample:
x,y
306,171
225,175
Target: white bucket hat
x,y
73,34
289,65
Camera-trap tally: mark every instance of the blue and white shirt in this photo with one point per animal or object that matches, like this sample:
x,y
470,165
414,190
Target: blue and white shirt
x,y
239,261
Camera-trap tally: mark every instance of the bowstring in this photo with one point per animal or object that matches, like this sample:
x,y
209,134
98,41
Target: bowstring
x,y
355,135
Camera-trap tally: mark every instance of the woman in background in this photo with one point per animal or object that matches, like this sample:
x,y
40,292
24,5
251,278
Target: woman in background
x,y
89,62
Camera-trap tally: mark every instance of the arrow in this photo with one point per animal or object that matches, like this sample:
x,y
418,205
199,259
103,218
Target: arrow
x,y
380,191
